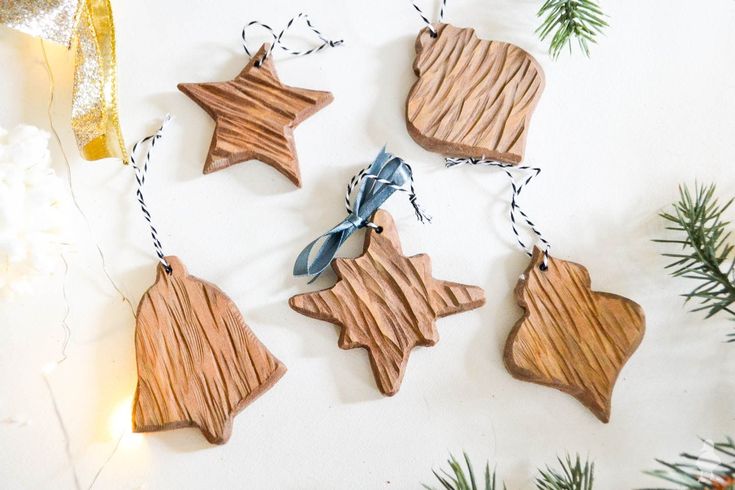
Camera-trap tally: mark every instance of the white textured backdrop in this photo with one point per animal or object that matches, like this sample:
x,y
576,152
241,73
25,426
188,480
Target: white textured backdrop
x,y
615,135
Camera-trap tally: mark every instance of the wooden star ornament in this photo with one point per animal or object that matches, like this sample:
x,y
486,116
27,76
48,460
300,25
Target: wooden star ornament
x,y
198,362
255,115
572,338
387,303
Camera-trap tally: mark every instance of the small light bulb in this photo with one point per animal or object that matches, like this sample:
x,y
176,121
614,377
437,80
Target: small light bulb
x,y
49,368
121,419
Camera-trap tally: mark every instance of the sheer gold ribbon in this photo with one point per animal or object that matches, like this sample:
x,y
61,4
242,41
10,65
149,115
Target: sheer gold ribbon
x,y
88,26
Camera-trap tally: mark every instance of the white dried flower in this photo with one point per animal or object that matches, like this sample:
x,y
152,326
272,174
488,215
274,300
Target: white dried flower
x,y
33,210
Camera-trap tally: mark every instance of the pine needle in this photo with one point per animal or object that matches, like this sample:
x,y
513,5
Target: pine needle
x,y
704,472
705,254
573,475
564,20
464,478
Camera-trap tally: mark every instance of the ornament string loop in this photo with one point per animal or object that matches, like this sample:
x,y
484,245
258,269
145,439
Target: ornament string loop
x,y
426,20
374,184
278,39
515,208
140,175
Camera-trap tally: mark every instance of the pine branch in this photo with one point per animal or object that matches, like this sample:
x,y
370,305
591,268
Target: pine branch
x,y
705,252
461,479
567,19
574,475
704,472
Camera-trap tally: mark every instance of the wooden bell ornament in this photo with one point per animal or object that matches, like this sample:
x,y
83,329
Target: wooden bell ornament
x,y
198,363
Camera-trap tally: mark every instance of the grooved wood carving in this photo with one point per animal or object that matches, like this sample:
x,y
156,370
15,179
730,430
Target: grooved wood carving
x,y
387,303
255,115
572,338
198,362
474,98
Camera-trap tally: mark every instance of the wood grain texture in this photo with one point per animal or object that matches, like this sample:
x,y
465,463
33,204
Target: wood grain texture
x,y
198,362
572,338
474,98
387,303
255,115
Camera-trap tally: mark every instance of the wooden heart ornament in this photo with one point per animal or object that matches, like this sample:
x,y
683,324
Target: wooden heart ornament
x,y
474,98
255,115
198,362
387,303
572,338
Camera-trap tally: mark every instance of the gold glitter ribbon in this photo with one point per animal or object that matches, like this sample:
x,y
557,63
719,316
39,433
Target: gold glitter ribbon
x,y
87,25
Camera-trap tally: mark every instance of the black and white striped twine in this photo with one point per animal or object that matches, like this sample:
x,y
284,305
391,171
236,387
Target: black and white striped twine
x,y
278,39
517,188
426,20
410,190
140,174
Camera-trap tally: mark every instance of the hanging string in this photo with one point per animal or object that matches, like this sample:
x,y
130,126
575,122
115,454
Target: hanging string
x,y
515,207
278,39
140,174
364,174
426,20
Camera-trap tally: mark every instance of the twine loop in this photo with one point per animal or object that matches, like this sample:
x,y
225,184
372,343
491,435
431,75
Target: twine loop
x,y
429,25
278,39
140,176
515,208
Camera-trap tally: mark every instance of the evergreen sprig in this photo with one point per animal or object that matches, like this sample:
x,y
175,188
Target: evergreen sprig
x,y
567,19
574,475
702,472
464,479
705,254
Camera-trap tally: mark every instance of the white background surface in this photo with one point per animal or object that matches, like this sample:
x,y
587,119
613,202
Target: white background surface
x,y
615,135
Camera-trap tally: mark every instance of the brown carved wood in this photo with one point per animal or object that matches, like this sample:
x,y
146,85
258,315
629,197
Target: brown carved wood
x,y
198,362
255,115
572,338
474,98
387,303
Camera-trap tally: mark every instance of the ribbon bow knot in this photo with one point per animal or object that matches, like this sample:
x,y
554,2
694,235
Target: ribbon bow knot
x,y
386,175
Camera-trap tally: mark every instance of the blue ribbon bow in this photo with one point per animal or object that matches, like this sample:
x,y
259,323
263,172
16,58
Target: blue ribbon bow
x,y
380,180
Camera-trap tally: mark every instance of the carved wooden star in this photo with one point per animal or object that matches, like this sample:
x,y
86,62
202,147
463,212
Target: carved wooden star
x,y
387,303
572,338
255,115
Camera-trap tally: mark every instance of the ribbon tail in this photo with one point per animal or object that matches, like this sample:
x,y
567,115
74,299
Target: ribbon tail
x,y
333,240
95,118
